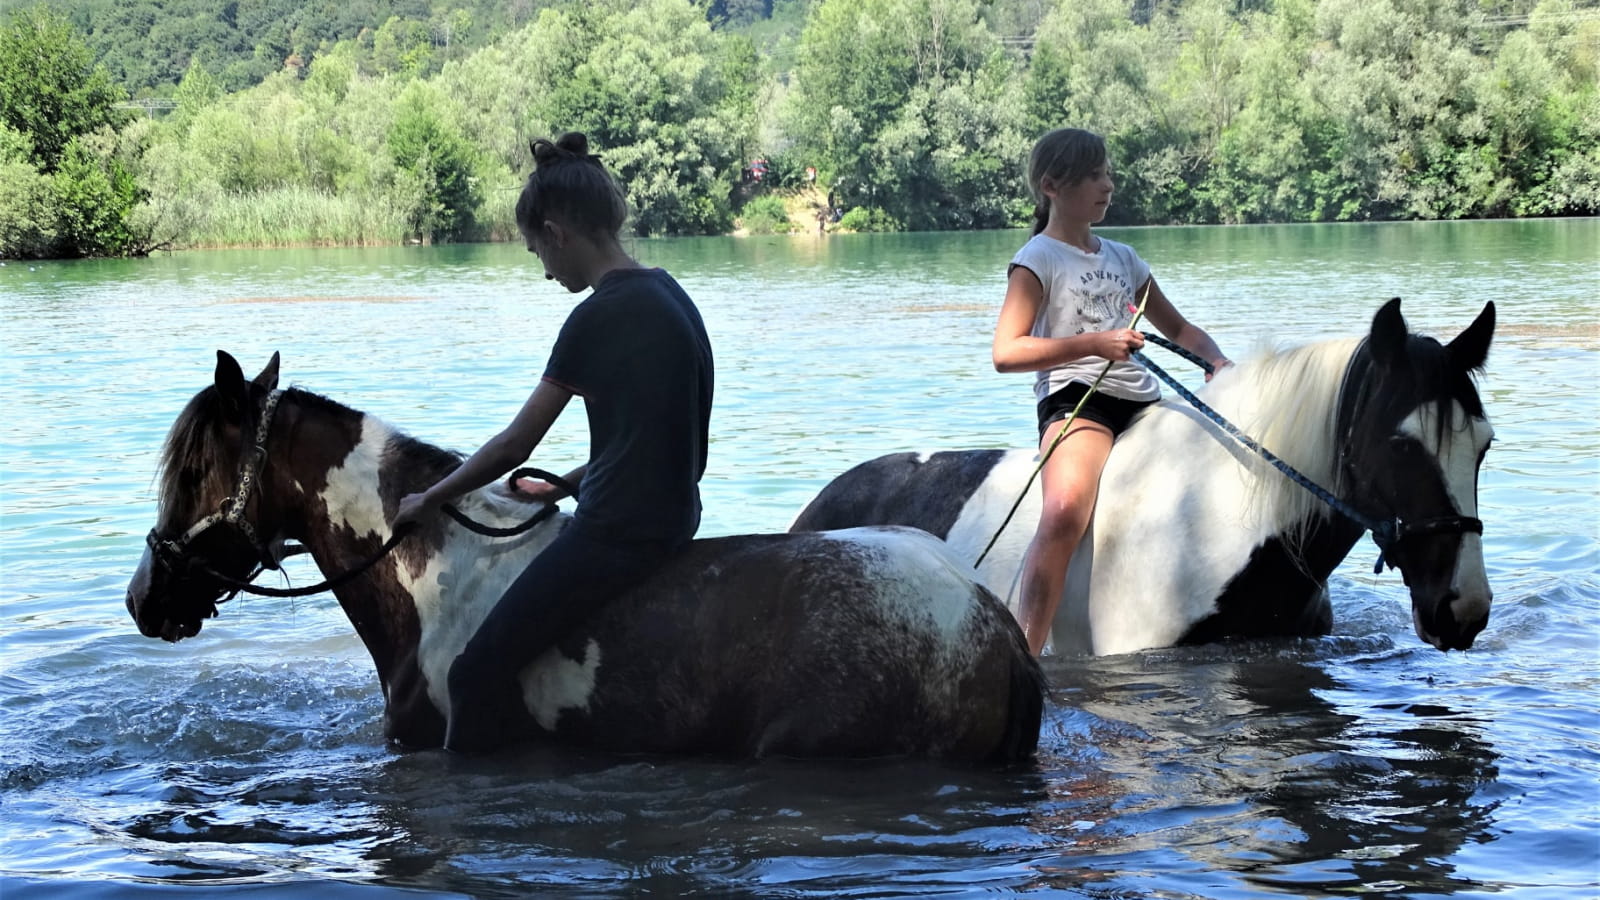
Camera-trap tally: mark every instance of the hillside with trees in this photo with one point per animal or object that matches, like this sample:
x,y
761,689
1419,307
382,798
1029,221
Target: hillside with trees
x,y
910,114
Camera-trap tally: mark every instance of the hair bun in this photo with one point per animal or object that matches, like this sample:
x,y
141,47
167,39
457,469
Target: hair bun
x,y
570,146
575,143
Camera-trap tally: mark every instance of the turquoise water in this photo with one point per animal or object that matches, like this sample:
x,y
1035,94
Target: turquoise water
x,y
251,758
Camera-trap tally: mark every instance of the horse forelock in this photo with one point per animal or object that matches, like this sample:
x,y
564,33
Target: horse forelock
x,y
195,466
1428,379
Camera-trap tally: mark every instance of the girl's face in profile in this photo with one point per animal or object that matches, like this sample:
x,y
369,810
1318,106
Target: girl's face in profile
x,y
1086,200
546,242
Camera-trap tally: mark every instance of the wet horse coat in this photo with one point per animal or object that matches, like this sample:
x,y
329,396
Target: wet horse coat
x,y
1196,538
861,642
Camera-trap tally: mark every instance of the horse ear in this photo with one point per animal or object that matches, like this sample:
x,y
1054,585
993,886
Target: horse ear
x,y
1389,333
231,390
1470,349
269,376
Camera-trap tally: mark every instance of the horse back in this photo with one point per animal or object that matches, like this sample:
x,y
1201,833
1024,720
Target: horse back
x,y
849,643
926,491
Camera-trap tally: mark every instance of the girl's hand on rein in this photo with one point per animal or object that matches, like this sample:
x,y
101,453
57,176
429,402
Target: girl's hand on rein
x,y
535,489
1217,365
1120,344
412,509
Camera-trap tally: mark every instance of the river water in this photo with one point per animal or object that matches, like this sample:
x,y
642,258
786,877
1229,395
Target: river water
x,y
250,758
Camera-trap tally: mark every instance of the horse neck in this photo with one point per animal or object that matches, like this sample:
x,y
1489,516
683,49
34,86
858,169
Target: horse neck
x,y
335,478
344,474
1289,402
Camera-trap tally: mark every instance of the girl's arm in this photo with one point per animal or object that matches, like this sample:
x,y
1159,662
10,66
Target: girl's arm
x,y
495,458
1161,313
1015,349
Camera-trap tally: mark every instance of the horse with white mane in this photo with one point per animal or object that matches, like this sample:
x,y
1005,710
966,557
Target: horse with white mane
x,y
1196,538
865,642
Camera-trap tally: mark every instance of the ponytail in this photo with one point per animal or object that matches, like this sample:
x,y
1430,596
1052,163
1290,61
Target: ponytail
x,y
1041,215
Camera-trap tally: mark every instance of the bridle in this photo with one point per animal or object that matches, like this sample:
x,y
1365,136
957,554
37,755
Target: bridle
x,y
177,555
1387,532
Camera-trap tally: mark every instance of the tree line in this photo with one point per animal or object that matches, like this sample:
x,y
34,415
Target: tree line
x,y
906,114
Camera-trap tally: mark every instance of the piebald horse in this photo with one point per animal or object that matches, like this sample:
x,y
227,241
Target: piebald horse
x,y
1195,538
863,642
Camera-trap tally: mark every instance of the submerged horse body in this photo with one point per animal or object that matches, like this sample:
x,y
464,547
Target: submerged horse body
x,y
1196,538
862,642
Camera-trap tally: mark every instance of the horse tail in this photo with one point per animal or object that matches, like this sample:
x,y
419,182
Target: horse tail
x,y
1024,707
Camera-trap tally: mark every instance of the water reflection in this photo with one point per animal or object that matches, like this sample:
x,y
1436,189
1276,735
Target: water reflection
x,y
1238,755
559,820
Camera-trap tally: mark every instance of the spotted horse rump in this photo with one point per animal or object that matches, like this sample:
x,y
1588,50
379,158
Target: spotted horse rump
x,y
850,643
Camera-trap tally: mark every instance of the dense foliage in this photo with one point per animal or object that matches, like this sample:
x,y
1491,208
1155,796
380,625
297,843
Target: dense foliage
x,y
64,191
379,121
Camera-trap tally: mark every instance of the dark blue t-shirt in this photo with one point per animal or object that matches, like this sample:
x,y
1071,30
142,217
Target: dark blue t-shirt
x,y
636,351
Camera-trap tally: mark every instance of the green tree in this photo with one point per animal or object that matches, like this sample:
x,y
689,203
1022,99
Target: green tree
x,y
910,106
95,197
27,205
642,80
403,46
195,92
50,89
436,163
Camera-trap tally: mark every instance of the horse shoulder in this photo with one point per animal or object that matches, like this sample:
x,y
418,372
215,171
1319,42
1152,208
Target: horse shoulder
x,y
1165,538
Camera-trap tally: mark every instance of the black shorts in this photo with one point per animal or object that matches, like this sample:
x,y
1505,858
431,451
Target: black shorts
x,y
1113,412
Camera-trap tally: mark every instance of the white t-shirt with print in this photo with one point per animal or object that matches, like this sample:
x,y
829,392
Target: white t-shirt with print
x,y
1086,292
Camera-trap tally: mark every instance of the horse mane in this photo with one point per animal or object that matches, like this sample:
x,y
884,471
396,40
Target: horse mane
x,y
1288,400
190,456
196,460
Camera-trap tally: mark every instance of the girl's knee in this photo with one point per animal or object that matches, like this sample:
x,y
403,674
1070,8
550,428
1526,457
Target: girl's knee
x,y
1065,525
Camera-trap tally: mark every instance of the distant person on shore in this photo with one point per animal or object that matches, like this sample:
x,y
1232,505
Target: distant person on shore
x,y
636,351
1070,299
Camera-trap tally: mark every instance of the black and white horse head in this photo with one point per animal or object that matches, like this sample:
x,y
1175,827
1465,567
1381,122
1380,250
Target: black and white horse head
x,y
1413,434
1195,538
863,642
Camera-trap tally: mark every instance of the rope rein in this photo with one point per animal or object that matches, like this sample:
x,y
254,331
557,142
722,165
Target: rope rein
x,y
1385,532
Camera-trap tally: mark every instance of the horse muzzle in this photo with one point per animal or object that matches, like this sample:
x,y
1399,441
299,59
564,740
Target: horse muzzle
x,y
1453,623
162,619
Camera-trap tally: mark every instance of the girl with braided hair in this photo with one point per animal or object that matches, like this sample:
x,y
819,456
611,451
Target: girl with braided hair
x,y
636,351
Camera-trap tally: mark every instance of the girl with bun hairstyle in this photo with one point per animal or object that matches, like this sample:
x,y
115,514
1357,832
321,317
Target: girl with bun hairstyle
x,y
636,351
1070,300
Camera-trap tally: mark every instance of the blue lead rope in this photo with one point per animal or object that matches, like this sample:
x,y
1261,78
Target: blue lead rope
x,y
1384,534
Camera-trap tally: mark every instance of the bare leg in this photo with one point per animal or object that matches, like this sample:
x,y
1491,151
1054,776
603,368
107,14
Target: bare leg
x,y
1071,482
